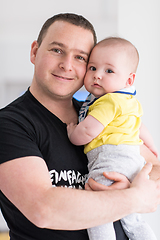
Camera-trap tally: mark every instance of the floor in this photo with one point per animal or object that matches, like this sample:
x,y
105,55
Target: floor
x,y
4,236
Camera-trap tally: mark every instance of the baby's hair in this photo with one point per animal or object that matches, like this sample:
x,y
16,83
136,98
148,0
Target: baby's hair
x,y
127,47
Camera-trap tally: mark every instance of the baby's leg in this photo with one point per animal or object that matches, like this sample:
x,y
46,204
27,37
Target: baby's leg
x,y
137,229
102,232
106,231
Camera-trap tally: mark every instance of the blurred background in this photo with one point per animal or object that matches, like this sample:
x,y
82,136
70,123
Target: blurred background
x,y
138,21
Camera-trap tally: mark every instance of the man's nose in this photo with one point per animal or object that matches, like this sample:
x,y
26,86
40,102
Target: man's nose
x,y
66,63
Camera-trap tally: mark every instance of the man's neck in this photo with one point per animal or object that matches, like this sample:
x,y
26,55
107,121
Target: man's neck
x,y
62,107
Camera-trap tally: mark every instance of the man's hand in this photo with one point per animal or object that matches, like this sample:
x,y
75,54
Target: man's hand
x,y
147,190
155,173
121,182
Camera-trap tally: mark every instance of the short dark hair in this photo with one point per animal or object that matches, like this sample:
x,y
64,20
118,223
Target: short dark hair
x,y
72,18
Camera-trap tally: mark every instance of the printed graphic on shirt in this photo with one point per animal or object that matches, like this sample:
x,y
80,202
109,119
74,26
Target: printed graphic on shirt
x,y
68,178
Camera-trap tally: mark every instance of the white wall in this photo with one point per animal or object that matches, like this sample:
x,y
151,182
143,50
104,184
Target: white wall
x,y
138,21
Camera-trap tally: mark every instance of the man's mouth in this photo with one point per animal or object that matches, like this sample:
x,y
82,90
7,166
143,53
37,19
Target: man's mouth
x,y
64,78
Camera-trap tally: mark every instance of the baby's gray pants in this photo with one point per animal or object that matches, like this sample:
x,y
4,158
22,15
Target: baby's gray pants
x,y
124,159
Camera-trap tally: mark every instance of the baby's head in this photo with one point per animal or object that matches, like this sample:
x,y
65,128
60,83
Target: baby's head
x,y
112,66
125,48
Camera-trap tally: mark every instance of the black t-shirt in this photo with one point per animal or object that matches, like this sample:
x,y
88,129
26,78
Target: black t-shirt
x,y
27,128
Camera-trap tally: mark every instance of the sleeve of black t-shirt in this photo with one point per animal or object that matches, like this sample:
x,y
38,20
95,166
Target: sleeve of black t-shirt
x,y
16,141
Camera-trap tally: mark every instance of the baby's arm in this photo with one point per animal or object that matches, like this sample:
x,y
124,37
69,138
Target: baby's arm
x,y
85,131
147,139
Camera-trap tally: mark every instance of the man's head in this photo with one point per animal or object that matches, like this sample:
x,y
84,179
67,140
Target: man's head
x,y
72,18
60,56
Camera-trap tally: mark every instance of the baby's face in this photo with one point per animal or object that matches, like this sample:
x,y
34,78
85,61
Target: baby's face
x,y
107,70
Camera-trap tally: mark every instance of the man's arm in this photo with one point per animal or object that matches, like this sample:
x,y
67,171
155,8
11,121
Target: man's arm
x,y
27,184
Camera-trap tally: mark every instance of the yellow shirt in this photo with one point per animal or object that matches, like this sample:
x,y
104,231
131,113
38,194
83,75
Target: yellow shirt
x,y
120,114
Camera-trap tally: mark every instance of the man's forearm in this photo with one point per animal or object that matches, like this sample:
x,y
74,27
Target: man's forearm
x,y
80,209
71,209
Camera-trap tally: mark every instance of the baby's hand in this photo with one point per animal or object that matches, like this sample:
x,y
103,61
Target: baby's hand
x,y
70,128
155,151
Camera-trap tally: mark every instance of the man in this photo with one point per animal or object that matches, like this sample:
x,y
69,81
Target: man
x,y
34,143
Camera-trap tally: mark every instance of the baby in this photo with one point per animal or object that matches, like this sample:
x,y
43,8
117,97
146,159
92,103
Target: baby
x,y
112,130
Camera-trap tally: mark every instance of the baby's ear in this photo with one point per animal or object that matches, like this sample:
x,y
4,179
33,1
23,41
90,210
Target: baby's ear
x,y
130,80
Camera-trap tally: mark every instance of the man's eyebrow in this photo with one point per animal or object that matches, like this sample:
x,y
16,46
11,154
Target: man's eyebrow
x,y
63,45
57,43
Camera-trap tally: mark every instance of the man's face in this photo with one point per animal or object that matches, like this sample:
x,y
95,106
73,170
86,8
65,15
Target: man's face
x,y
60,61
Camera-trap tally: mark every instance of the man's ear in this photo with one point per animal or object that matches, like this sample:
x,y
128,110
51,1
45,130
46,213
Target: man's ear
x,y
34,48
130,80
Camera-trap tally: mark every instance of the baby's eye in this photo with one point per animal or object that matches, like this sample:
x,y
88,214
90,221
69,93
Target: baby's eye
x,y
92,68
109,71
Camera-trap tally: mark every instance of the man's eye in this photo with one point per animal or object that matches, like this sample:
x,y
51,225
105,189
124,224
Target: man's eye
x,y
56,50
92,68
81,58
109,71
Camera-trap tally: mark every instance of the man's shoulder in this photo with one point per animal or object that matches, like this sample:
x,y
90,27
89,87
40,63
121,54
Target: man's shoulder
x,y
18,112
15,103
